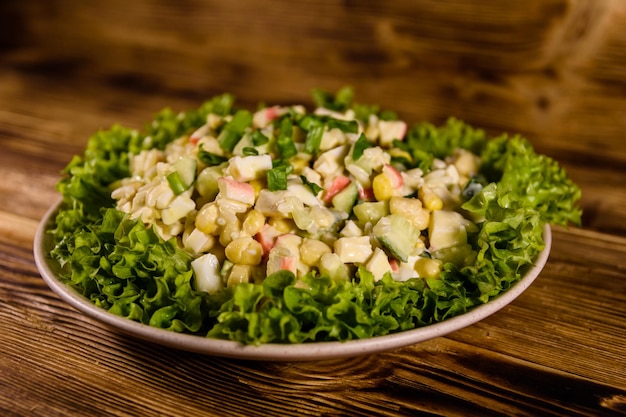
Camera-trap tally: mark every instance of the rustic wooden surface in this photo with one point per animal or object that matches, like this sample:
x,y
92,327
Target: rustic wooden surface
x,y
552,70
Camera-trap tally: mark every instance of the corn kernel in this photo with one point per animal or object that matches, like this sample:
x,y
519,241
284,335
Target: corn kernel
x,y
245,251
230,231
383,189
206,219
312,250
238,274
428,268
300,162
282,225
253,222
257,186
430,200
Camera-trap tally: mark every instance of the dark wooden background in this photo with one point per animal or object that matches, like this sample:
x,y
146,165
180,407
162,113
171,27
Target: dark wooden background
x,y
552,70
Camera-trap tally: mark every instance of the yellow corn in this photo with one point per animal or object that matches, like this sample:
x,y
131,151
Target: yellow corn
x,y
238,274
312,250
244,250
257,186
253,222
430,200
230,231
299,162
282,225
382,186
428,268
206,219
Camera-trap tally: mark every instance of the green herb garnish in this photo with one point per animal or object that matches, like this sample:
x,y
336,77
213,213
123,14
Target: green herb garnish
x,y
315,189
359,146
234,130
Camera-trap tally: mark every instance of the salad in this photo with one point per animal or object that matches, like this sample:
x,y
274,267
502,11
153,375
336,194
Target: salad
x,y
284,225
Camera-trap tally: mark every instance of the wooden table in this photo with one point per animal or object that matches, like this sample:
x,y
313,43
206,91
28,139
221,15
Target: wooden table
x,y
551,70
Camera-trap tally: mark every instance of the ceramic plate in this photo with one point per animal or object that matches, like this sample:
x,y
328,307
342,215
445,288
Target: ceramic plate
x,y
280,352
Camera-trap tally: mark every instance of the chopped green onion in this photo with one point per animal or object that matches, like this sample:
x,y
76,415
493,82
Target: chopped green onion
x,y
346,126
308,121
258,138
282,164
388,115
250,151
363,112
314,138
359,146
284,143
210,158
176,183
339,102
234,130
277,179
315,189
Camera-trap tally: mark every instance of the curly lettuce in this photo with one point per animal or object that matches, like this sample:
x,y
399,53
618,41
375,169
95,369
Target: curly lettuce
x,y
127,269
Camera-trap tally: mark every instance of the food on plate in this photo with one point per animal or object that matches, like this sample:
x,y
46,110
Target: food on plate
x,y
284,225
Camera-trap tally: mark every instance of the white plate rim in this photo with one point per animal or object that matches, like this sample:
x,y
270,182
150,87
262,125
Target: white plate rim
x,y
271,351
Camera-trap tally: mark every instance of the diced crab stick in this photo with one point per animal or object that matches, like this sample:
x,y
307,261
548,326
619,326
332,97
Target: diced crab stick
x,y
285,254
267,238
198,134
393,263
289,241
394,175
330,163
339,183
281,258
249,168
303,193
391,130
238,191
272,113
265,116
365,193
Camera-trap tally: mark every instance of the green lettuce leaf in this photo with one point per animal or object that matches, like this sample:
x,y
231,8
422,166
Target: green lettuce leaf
x,y
527,179
129,270
126,268
425,141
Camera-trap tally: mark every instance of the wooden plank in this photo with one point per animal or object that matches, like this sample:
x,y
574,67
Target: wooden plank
x,y
461,372
551,70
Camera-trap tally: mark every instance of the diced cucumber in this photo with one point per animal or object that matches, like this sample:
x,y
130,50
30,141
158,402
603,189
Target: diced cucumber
x,y
371,211
227,266
176,183
446,228
397,235
345,199
331,265
206,183
184,174
244,142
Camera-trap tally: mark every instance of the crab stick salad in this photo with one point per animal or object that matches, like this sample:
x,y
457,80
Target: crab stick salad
x,y
287,224
251,194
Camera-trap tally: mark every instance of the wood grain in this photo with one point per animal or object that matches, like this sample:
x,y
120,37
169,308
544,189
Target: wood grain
x,y
551,70
546,69
90,362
